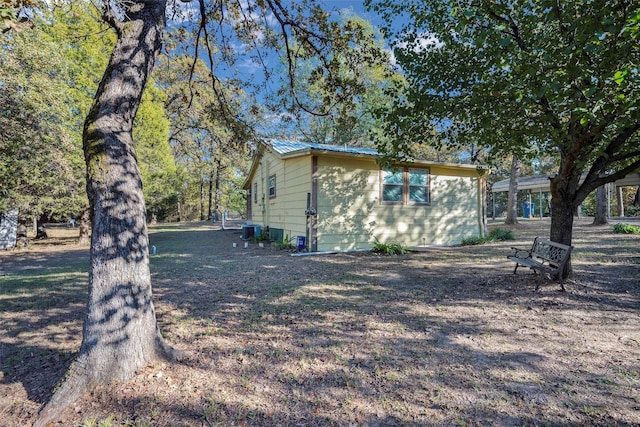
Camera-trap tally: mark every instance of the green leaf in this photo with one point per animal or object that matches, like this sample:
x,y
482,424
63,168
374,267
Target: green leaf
x,y
620,76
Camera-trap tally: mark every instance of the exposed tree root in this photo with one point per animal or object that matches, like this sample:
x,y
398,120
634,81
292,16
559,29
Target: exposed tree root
x,y
84,375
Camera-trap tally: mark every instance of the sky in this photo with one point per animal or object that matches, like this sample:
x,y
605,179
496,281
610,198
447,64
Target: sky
x,y
249,70
357,6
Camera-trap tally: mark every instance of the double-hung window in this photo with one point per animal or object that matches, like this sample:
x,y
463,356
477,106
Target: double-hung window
x,y
405,186
272,186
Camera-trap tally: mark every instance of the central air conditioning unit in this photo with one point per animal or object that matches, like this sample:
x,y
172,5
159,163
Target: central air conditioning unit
x,y
248,231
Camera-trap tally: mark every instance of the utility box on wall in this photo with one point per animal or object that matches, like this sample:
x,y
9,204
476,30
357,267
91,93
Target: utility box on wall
x,y
301,243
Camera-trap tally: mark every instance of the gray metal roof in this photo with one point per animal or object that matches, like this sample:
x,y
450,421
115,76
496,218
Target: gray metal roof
x,y
287,149
537,182
290,147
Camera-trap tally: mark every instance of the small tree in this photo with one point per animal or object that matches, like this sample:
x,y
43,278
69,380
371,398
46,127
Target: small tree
x,y
560,75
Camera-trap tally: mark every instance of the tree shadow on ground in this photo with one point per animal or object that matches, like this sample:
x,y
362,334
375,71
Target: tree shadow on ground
x,y
353,338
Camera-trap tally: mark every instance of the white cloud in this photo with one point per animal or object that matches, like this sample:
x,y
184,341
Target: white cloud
x,y
179,12
419,43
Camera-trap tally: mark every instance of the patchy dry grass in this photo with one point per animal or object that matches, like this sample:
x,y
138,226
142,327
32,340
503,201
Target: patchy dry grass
x,y
446,336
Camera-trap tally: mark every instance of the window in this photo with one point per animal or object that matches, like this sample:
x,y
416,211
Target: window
x,y
392,186
272,186
418,185
405,186
255,192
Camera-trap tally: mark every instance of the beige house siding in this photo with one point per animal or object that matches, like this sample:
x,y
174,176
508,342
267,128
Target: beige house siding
x,y
347,199
350,215
286,210
346,191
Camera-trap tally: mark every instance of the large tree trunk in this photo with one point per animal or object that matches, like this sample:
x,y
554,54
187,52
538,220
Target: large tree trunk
x,y
600,217
22,240
41,231
563,205
202,217
512,199
120,333
620,201
217,190
210,216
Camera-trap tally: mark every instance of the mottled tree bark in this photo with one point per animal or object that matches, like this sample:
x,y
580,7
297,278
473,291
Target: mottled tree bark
x,y
620,202
120,333
22,240
563,209
84,226
512,199
41,231
600,217
202,217
217,188
210,216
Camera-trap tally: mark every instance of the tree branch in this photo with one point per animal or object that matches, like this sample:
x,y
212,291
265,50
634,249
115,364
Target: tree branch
x,y
596,175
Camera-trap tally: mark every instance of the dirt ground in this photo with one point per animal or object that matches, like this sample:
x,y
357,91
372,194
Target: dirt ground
x,y
443,336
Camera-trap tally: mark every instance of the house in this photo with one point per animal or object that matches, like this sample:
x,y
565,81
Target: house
x,y
339,198
538,185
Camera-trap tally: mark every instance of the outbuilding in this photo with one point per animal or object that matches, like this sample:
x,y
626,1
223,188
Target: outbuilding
x,y
327,197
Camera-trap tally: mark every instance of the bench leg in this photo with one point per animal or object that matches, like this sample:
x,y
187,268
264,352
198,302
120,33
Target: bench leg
x,y
516,269
540,275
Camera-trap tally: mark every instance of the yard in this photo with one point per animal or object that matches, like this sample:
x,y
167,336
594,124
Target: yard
x,y
444,336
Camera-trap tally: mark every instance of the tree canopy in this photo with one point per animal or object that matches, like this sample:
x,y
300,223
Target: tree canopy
x,y
38,164
525,78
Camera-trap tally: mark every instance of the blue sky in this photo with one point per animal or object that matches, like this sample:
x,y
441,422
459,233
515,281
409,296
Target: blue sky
x,y
357,6
248,70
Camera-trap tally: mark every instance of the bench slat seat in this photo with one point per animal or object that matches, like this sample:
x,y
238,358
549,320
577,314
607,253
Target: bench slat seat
x,y
544,257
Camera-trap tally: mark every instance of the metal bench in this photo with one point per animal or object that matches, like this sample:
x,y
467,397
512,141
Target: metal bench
x,y
544,257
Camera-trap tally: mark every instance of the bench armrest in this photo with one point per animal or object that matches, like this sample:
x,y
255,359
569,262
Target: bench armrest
x,y
521,253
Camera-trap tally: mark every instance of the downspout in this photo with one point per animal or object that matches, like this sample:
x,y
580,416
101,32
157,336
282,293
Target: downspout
x,y
480,208
310,213
265,194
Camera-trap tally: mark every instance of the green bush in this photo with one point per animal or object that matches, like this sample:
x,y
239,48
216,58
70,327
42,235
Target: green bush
x,y
468,241
497,235
389,248
500,235
626,229
632,210
262,237
287,243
